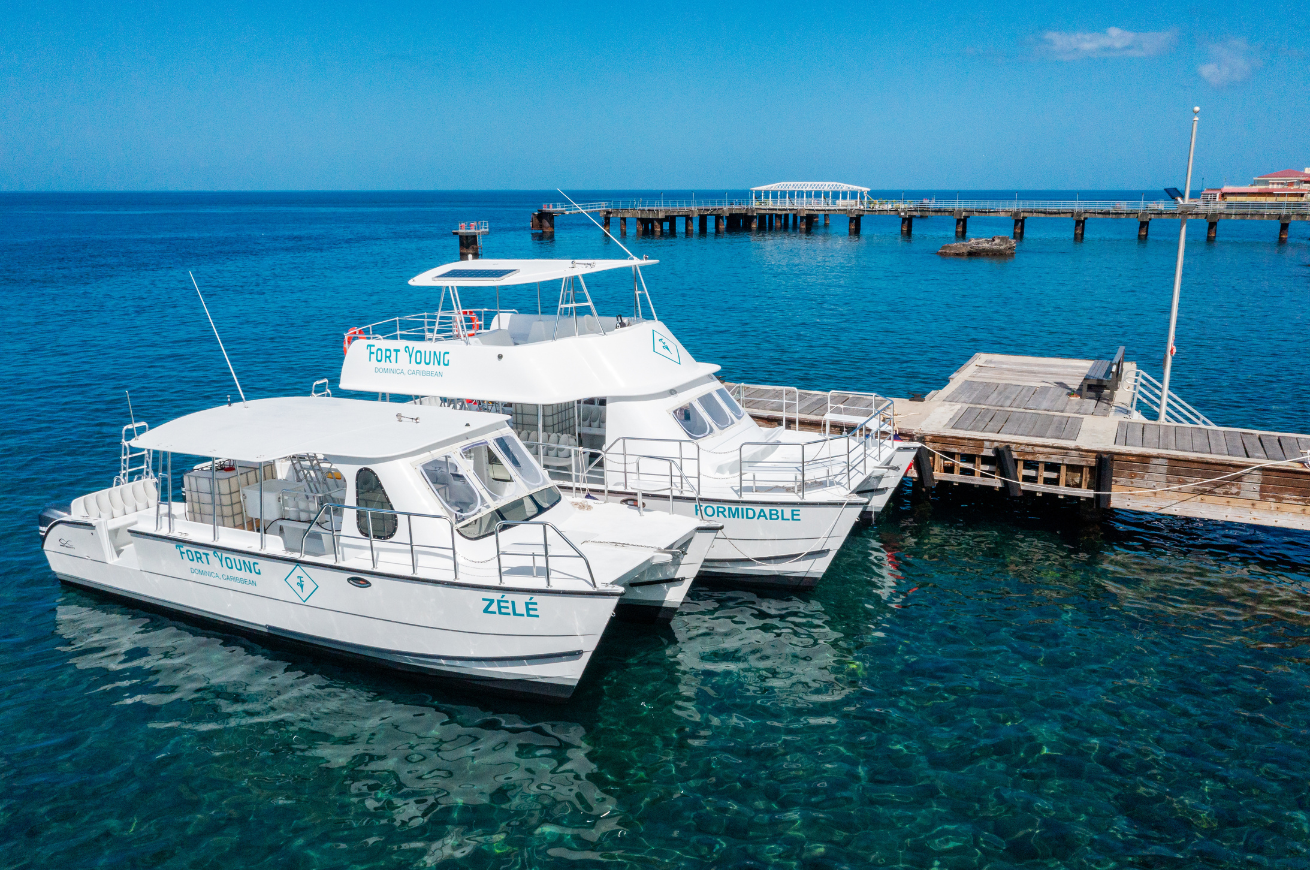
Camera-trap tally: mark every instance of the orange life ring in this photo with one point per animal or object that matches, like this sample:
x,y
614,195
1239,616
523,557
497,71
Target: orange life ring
x,y
355,332
477,324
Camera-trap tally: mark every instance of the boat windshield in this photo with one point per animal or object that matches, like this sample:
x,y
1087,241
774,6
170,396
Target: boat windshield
x,y
730,403
453,487
691,421
485,485
715,411
513,451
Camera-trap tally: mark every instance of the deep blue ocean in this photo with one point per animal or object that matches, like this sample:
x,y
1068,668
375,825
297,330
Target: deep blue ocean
x,y
975,683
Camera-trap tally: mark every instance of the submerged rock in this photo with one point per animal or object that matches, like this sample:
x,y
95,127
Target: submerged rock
x,y
996,246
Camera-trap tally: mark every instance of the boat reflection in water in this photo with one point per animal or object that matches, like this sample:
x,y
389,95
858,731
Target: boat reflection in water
x,y
405,763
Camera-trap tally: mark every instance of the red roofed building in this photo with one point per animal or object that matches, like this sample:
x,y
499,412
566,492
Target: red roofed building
x,y
1288,185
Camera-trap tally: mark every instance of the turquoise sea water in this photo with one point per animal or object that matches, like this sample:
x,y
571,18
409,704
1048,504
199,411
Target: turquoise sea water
x,y
976,683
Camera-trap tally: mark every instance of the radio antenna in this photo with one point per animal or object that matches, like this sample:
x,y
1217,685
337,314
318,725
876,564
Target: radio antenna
x,y
130,412
220,340
597,223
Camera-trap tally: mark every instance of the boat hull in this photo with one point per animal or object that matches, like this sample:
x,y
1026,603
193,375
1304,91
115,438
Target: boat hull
x,y
520,640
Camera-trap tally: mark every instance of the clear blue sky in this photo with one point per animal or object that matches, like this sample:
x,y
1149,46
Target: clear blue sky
x,y
120,96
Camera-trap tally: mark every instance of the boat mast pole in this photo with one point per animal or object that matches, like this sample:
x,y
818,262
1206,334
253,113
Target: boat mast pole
x,y
1178,273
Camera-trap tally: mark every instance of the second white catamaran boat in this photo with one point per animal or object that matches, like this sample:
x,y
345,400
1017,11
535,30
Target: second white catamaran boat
x,y
428,540
616,407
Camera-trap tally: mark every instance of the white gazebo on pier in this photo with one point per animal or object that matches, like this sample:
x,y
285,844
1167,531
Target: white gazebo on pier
x,y
816,194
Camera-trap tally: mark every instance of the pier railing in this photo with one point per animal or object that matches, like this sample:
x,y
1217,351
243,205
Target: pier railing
x,y
1147,392
1002,206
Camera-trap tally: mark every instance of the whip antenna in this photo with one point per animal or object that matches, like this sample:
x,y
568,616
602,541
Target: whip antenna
x,y
220,340
597,223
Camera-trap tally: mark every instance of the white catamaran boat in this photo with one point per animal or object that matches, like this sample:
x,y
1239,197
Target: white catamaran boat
x,y
424,538
617,408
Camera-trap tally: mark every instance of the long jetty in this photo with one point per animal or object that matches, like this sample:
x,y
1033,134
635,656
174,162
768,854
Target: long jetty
x,y
652,217
1077,429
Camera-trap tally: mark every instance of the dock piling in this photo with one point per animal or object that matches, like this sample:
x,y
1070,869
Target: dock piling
x,y
961,226
1142,227
543,221
1211,230
1079,226
853,225
907,225
1018,227
1282,232
623,226
718,225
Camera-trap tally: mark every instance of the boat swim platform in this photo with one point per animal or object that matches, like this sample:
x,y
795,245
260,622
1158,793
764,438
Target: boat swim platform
x,y
1036,426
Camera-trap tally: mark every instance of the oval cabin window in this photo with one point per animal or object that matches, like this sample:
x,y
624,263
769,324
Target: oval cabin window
x,y
370,494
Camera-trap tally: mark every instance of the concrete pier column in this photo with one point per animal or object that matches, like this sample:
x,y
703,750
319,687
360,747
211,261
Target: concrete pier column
x,y
755,222
543,222
623,226
605,218
853,224
907,225
1211,230
1282,231
718,224
659,226
704,222
825,218
470,245
686,227
1142,228
961,227
1018,228
1079,225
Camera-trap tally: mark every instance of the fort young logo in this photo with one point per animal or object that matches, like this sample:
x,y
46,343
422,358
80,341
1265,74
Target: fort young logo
x,y
664,347
301,583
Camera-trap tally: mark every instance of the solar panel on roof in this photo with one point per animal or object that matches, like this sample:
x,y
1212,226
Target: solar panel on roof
x,y
476,273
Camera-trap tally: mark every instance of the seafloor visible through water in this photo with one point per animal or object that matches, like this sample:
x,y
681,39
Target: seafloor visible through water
x,y
975,683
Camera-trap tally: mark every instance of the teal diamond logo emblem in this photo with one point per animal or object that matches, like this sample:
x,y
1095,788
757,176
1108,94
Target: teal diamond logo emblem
x,y
301,583
664,347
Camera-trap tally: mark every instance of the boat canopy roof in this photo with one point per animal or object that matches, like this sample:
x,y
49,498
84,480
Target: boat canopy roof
x,y
503,273
269,429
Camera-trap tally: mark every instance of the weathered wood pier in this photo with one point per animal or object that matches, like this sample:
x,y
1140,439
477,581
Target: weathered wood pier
x,y
658,217
1073,428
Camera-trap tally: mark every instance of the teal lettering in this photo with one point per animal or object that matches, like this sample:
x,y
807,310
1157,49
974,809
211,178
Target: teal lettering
x,y
748,513
734,513
500,606
530,609
514,611
490,603
773,514
795,515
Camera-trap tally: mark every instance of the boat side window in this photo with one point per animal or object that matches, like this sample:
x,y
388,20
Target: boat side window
x,y
714,411
370,494
519,458
730,403
453,487
691,421
491,470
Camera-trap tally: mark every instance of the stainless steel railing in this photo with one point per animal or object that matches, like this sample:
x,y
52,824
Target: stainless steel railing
x,y
583,474
337,530
843,457
429,325
770,399
1147,392
546,528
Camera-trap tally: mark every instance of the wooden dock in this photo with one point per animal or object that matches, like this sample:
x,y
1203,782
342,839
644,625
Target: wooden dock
x,y
1021,425
651,217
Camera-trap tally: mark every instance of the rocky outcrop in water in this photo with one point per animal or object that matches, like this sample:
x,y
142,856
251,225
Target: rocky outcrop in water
x,y
996,246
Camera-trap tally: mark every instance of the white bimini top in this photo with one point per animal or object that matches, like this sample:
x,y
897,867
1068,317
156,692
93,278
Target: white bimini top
x,y
269,429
